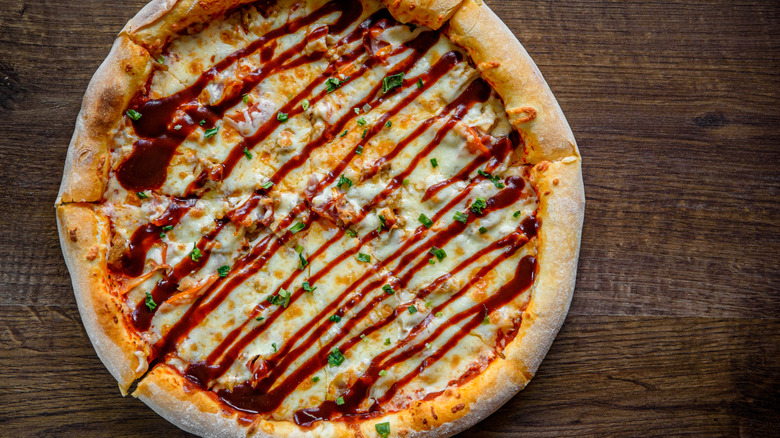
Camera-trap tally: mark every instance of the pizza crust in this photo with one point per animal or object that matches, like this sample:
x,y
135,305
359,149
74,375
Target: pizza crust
x,y
84,237
124,71
161,20
429,13
505,64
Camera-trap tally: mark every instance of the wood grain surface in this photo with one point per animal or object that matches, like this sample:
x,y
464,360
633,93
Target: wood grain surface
x,y
675,324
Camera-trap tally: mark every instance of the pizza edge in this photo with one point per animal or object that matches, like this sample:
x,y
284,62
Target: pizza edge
x,y
549,144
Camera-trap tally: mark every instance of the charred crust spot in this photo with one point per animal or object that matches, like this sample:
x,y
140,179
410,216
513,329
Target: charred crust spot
x,y
74,237
458,407
547,193
541,167
92,255
433,414
116,321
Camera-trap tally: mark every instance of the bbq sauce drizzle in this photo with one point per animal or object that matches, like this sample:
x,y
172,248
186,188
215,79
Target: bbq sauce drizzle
x,y
146,168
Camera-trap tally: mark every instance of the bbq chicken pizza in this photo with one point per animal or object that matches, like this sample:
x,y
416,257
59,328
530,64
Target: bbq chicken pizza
x,y
312,218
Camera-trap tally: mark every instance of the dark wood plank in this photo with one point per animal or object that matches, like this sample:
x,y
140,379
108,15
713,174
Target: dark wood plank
x,y
604,374
675,108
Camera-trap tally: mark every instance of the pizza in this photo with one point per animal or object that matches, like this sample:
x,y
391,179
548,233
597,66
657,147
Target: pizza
x,y
301,217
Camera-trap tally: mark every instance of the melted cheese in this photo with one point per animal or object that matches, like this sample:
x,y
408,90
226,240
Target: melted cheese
x,y
312,193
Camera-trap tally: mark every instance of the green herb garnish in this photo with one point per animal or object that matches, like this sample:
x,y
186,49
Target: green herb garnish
x,y
461,217
363,257
392,81
223,270
247,154
150,301
335,358
425,220
478,205
211,132
439,253
297,227
388,289
133,114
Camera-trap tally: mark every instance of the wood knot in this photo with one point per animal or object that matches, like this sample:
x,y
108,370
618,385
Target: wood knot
x,y
710,120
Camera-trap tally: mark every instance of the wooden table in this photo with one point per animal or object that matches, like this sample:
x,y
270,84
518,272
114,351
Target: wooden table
x,y
675,324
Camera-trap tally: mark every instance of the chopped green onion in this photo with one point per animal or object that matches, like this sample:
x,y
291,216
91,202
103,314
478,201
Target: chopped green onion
x,y
419,83
412,309
297,227
315,379
267,185
247,154
211,132
167,228
202,122
359,150
274,347
223,270
340,401
382,373
363,257
305,104
245,98
344,133
388,289
439,314
516,214
405,181
361,121
259,318
387,341
133,114
344,180
461,217
150,301
425,220
195,254
389,123
335,358
391,82
434,162
307,287
478,205
282,117
483,230
439,253
334,318
141,195
363,337
350,233
494,179
365,131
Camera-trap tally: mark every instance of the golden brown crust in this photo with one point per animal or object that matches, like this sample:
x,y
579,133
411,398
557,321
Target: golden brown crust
x,y
430,13
161,20
505,64
84,236
561,213
86,168
177,400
